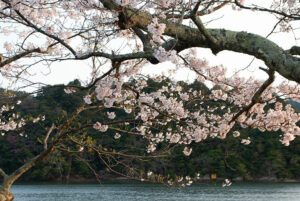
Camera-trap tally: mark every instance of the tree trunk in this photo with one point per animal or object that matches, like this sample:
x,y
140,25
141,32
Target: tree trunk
x,y
8,180
5,195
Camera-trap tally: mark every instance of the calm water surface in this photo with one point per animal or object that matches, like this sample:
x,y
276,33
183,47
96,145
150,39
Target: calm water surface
x,y
150,192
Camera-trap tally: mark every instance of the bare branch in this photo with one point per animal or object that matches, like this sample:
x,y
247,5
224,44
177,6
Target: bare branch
x,y
90,167
291,16
204,11
30,24
18,56
2,173
47,136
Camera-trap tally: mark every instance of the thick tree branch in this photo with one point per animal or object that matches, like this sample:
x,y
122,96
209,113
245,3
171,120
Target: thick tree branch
x,y
203,30
117,57
169,45
274,57
295,50
144,38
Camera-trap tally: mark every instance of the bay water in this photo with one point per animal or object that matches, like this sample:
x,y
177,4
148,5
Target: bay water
x,y
153,192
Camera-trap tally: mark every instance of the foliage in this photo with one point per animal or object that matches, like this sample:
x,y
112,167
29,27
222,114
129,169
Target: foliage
x,y
128,124
265,156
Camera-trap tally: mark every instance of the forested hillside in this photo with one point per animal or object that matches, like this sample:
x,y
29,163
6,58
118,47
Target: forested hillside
x,y
265,156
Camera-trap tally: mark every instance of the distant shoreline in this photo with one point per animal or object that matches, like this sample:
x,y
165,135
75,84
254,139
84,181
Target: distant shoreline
x,y
125,180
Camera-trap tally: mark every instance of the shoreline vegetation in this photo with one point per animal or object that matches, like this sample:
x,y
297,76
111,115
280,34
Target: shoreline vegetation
x,y
264,160
123,180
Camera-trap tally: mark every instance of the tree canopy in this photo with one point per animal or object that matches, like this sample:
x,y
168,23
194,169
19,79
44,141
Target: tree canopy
x,y
117,39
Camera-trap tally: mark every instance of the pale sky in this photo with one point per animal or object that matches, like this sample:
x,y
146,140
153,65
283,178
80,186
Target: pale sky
x,y
254,22
249,21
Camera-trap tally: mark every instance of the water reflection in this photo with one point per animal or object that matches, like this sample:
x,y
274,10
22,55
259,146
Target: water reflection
x,y
150,192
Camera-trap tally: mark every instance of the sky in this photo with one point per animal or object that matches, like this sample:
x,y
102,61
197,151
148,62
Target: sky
x,y
249,21
254,22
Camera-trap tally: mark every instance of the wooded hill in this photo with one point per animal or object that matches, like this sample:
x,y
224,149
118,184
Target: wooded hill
x,y
228,158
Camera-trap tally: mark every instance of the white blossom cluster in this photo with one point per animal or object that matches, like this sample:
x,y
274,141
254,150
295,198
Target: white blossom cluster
x,y
11,121
167,106
100,127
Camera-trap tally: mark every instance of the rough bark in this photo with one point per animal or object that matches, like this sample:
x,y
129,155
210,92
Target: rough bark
x,y
6,195
274,56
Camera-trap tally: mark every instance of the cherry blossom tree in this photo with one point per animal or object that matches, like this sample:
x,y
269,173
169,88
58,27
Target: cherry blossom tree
x,y
118,37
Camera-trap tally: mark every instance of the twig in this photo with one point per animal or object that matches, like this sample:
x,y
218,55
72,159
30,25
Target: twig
x,y
256,96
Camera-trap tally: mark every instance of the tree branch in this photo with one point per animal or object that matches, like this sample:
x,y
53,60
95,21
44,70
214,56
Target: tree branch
x,y
291,16
2,173
47,136
28,52
18,56
295,50
30,24
144,38
274,56
117,58
204,11
203,30
40,157
257,95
